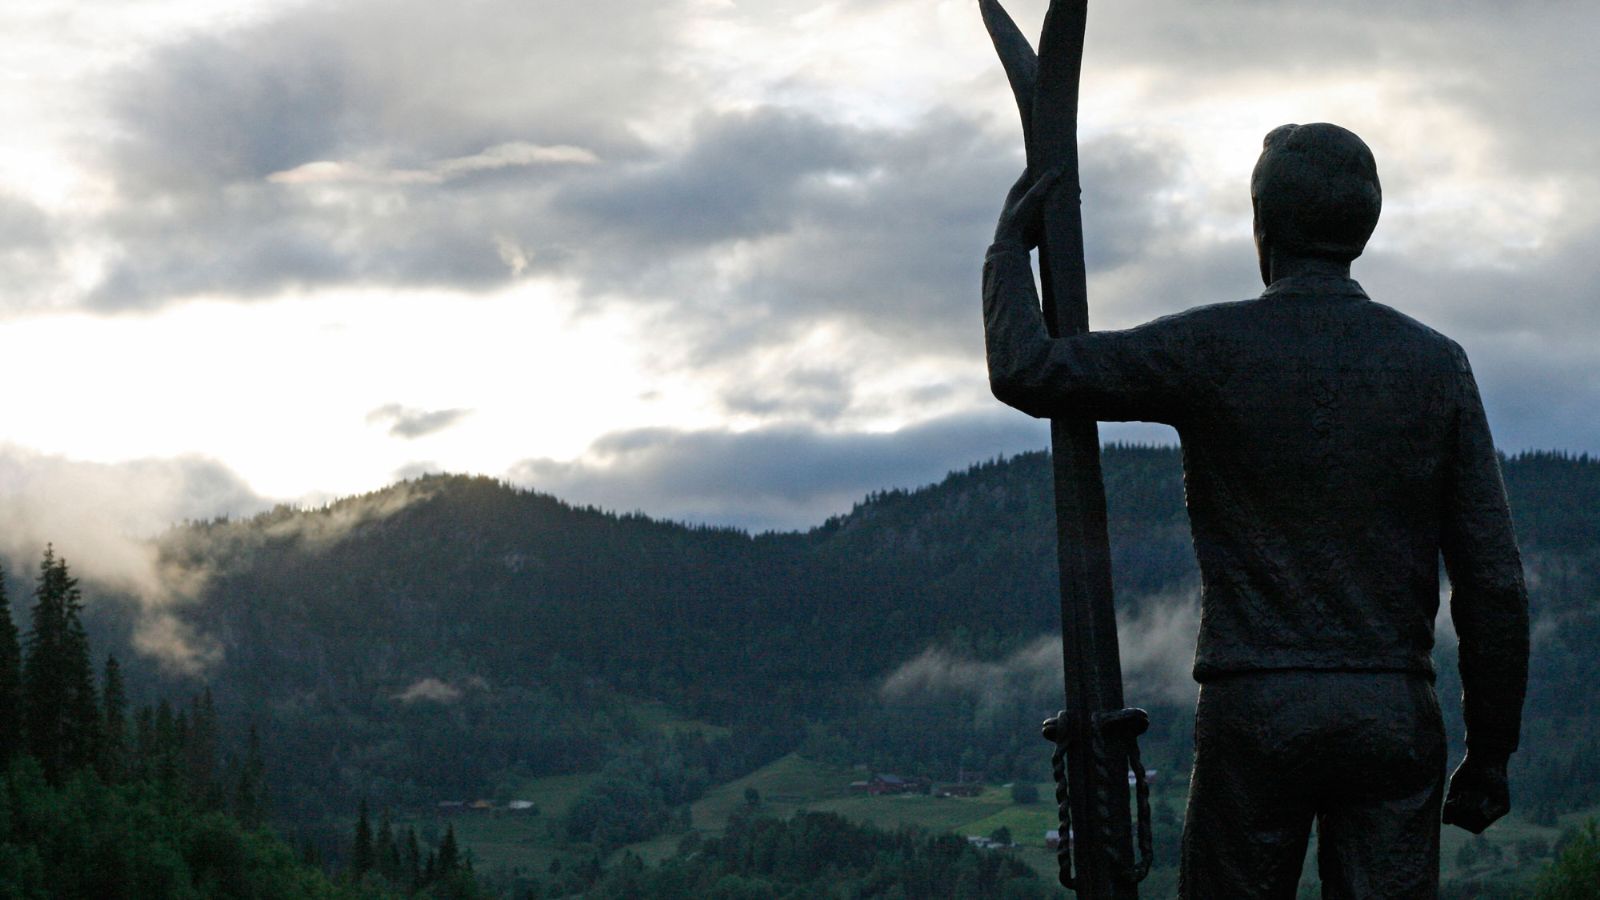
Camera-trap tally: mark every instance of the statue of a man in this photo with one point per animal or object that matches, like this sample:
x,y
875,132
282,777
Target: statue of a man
x,y
1333,449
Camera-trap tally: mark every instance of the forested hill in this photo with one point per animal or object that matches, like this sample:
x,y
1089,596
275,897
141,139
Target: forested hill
x,y
382,634
458,578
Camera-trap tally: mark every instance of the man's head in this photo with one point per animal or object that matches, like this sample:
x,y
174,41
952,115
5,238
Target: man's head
x,y
1316,194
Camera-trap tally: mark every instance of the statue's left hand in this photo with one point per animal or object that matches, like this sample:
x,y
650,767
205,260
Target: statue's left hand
x,y
1479,794
1022,219
1051,729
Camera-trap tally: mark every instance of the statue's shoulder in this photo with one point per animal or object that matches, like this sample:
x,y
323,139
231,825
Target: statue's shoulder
x,y
1219,319
1210,314
1270,325
1446,350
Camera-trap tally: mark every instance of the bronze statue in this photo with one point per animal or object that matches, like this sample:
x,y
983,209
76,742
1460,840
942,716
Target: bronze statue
x,y
1333,449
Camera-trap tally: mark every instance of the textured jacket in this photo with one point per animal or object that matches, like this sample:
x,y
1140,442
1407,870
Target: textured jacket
x,y
1333,449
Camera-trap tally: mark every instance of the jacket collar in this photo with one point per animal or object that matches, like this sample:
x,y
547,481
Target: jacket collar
x,y
1317,285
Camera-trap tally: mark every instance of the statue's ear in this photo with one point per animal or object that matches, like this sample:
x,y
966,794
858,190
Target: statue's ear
x,y
1263,245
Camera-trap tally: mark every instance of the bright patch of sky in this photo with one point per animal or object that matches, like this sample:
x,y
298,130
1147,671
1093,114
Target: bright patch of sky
x,y
285,391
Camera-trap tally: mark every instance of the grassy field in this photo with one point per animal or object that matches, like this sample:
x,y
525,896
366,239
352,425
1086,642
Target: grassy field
x,y
555,794
786,786
507,842
526,841
794,783
513,840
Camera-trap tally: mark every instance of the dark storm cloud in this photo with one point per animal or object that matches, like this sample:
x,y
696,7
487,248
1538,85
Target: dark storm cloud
x,y
408,81
826,220
407,423
29,252
817,395
894,247
392,90
23,226
212,112
743,176
254,242
772,478
881,229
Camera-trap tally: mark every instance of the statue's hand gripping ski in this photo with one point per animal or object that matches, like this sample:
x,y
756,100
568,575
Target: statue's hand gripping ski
x,y
1334,449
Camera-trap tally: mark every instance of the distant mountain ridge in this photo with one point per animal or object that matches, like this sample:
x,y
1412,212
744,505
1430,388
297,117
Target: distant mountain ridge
x,y
414,603
417,567
412,567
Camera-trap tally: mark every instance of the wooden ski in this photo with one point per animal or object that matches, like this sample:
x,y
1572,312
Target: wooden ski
x,y
1095,736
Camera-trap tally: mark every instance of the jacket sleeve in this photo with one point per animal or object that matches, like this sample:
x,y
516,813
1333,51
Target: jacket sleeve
x,y
1488,600
1113,376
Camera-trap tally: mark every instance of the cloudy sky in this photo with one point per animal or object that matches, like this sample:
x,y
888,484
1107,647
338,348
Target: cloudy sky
x,y
715,260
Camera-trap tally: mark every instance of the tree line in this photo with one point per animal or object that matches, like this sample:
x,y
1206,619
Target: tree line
x,y
99,805
814,855
389,859
53,713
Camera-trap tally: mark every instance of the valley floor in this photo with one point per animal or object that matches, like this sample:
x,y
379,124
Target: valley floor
x,y
1514,849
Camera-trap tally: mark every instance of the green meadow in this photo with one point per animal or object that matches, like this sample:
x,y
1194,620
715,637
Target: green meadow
x,y
1513,849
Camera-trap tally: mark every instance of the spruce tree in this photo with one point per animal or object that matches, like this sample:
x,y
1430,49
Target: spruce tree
x,y
113,764
54,673
449,853
411,859
200,752
387,851
163,762
84,720
61,716
361,857
144,743
10,681
249,787
180,742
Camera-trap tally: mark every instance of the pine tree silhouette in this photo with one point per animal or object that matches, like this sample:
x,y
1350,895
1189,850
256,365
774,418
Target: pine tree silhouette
x,y
10,681
113,761
61,716
361,857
